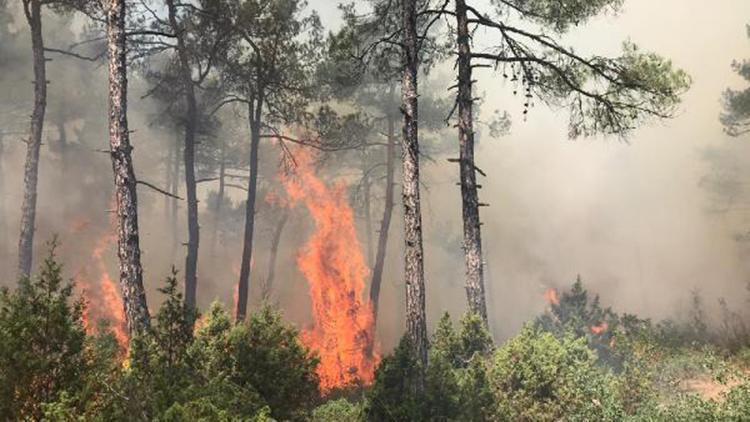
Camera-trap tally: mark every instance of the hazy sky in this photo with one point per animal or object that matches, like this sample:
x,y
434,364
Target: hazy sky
x,y
630,218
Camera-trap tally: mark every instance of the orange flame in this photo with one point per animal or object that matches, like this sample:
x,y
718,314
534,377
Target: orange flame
x,y
600,328
103,299
334,266
550,296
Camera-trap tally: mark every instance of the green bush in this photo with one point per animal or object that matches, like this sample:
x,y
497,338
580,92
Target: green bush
x,y
456,387
538,377
338,410
42,342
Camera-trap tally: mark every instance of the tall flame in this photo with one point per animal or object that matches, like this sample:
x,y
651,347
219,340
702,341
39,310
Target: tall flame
x,y
103,298
334,266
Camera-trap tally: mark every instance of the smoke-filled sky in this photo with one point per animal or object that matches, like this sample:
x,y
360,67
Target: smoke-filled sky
x,y
632,218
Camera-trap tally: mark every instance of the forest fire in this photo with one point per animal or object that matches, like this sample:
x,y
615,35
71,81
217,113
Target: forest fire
x,y
103,301
600,328
550,296
334,266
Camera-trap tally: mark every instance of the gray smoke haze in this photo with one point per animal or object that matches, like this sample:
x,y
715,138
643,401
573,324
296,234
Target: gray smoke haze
x,y
633,219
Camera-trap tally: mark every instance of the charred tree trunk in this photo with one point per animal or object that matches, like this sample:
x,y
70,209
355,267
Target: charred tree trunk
x,y
367,194
33,11
254,114
416,320
469,197
3,209
275,241
168,179
174,219
128,249
219,200
64,156
385,223
191,118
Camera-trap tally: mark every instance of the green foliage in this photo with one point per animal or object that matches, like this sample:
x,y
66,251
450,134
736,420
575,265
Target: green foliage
x,y
212,369
734,405
456,385
393,395
219,371
576,314
556,14
736,115
268,356
537,377
42,340
338,410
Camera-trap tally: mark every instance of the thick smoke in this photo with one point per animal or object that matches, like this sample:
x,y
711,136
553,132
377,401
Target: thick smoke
x,y
637,219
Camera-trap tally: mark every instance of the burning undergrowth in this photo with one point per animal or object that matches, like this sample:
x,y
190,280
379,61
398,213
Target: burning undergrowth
x,y
334,266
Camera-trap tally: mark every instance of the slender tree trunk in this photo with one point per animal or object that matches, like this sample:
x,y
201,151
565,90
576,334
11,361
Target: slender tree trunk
x,y
128,249
33,11
175,191
3,208
254,114
168,179
469,197
64,154
416,320
367,194
275,241
219,200
385,223
191,260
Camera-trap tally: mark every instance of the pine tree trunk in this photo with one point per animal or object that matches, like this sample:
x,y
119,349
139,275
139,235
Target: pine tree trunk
x,y
64,156
275,241
254,114
3,208
174,219
385,223
33,11
191,118
469,197
128,249
367,196
219,200
416,324
168,179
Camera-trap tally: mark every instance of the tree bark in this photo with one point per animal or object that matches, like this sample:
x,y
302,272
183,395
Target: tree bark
x,y
385,223
3,208
175,192
33,11
64,157
416,324
128,249
219,200
254,115
168,179
367,194
191,118
469,197
275,241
